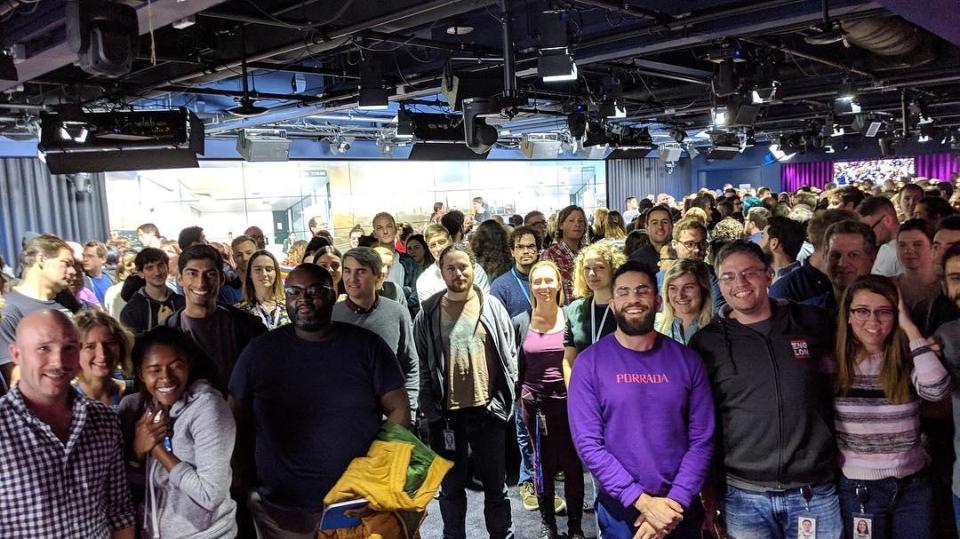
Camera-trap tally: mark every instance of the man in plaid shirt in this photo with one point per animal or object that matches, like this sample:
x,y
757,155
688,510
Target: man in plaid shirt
x,y
61,464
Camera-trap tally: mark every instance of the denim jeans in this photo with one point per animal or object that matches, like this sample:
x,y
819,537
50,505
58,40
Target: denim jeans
x,y
475,432
899,507
614,521
774,515
526,451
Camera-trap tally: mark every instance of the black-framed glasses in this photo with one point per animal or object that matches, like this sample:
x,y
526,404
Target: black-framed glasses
x,y
883,314
315,291
691,245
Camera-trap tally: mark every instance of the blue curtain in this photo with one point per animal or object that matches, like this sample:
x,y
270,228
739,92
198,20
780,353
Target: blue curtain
x,y
72,206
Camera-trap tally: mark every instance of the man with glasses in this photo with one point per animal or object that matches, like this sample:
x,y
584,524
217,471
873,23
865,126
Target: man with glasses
x,y
222,331
879,214
690,243
309,397
513,287
774,399
642,419
538,222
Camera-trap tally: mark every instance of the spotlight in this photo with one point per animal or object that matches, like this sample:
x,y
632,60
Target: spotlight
x,y
678,134
720,116
766,94
479,136
846,101
373,96
555,62
692,151
724,146
613,108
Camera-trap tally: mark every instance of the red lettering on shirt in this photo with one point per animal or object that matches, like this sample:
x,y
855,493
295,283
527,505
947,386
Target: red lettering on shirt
x,y
801,350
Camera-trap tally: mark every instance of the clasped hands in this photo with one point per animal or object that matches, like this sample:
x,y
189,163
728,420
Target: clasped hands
x,y
658,516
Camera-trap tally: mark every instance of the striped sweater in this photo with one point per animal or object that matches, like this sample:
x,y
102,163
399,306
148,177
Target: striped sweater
x,y
878,439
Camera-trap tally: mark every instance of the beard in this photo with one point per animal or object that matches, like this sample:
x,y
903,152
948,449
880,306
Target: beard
x,y
637,326
314,320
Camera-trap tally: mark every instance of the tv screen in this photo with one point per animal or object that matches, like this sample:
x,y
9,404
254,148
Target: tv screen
x,y
877,170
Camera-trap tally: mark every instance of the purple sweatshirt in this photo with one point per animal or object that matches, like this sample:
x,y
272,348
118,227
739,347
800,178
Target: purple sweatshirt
x,y
642,421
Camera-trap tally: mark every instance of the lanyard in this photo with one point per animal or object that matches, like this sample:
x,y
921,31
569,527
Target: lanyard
x,y
526,292
594,330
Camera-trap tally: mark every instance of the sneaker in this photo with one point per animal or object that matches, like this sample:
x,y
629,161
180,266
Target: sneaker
x,y
528,495
587,507
559,505
547,533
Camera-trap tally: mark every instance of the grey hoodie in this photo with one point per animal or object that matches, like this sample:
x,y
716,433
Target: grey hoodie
x,y
193,499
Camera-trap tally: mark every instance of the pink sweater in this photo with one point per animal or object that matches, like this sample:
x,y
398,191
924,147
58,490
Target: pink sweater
x,y
878,439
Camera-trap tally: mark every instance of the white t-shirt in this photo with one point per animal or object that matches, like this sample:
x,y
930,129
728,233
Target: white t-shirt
x,y
887,262
431,281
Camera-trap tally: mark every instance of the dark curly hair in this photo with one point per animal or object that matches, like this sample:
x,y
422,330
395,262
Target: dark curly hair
x,y
491,245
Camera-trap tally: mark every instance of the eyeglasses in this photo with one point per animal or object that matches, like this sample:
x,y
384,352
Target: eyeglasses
x,y
315,291
623,291
691,245
862,314
525,247
748,274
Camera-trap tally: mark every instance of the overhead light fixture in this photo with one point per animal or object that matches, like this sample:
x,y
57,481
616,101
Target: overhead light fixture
x,y
184,23
846,101
692,151
613,108
766,94
373,96
555,63
459,30
678,134
719,116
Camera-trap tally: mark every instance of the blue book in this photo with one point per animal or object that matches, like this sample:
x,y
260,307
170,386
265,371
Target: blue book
x,y
335,517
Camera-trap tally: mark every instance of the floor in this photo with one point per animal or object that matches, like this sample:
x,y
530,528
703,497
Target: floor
x,y
526,524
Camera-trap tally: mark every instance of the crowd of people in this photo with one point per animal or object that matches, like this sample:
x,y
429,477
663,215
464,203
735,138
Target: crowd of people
x,y
749,363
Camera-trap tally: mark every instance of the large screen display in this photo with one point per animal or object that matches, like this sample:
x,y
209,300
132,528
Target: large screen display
x,y
878,170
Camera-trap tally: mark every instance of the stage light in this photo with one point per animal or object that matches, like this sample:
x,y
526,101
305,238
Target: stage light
x,y
692,151
766,94
555,63
557,67
846,101
373,96
720,116
678,134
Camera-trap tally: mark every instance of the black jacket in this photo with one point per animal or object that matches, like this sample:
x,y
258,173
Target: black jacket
x,y
140,312
773,396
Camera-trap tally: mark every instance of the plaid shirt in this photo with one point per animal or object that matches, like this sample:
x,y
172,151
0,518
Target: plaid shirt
x,y
563,257
51,489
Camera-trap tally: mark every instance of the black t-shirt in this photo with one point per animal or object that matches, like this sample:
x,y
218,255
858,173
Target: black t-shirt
x,y
315,406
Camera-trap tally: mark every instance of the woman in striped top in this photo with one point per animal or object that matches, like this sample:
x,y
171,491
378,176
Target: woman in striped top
x,y
883,366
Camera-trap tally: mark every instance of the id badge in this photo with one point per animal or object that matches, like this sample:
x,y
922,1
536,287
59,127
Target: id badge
x,y
449,441
542,421
862,525
806,527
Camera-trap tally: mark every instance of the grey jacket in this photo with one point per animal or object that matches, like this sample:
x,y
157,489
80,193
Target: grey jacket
x,y
433,362
949,336
193,499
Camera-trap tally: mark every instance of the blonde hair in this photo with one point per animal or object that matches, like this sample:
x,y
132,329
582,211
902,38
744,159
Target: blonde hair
x,y
700,272
547,264
600,220
696,213
610,254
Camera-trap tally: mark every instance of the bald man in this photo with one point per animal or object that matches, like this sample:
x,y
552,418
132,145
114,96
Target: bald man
x,y
257,234
63,454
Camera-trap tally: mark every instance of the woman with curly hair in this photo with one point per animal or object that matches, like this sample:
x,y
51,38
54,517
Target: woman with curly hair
x,y
295,254
491,245
589,317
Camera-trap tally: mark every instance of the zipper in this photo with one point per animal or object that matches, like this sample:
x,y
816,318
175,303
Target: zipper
x,y
776,381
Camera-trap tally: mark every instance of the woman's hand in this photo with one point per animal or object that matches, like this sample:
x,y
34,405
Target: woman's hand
x,y
148,434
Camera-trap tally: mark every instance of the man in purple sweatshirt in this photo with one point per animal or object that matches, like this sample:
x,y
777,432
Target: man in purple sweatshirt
x,y
642,418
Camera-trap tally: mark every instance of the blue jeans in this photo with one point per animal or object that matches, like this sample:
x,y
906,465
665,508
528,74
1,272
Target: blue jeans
x,y
477,432
526,451
900,507
774,515
614,521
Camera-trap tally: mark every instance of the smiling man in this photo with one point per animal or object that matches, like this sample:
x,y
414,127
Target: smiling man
x,y
151,305
649,477
63,454
309,397
221,331
850,251
774,399
362,276
513,287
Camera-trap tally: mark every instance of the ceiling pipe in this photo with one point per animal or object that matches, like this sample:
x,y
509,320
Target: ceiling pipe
x,y
509,68
836,65
627,9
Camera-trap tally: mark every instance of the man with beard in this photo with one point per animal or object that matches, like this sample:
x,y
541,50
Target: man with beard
x,y
768,363
930,315
468,371
513,287
851,248
781,241
309,396
642,419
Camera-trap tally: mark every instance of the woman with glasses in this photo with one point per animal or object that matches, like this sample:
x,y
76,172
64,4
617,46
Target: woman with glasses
x,y
884,367
263,290
687,300
589,317
543,400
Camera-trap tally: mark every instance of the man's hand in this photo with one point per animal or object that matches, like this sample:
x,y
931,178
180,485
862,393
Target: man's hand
x,y
646,531
663,514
